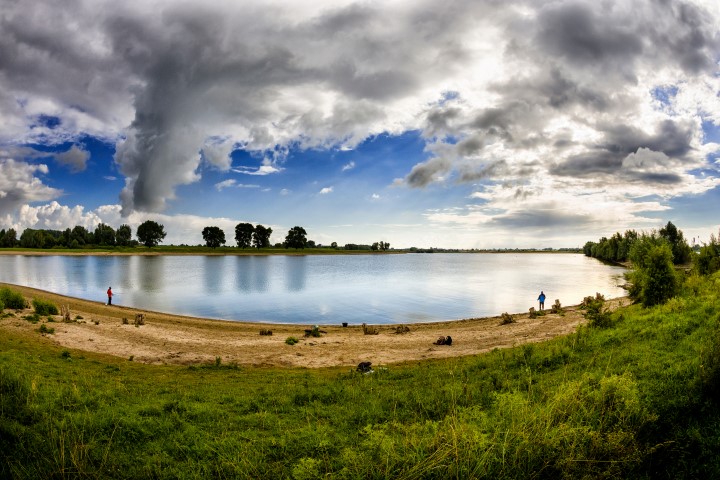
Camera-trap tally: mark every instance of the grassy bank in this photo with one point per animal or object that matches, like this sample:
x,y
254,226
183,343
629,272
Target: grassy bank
x,y
636,399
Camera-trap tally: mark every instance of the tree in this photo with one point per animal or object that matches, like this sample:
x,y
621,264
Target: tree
x,y
296,238
104,235
653,280
81,235
150,233
261,236
680,249
123,236
10,238
213,236
333,245
244,234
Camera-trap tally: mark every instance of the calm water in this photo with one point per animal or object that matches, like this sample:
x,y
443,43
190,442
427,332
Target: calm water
x,y
322,289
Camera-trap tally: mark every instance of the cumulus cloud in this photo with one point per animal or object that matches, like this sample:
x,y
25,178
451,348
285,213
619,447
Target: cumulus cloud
x,y
326,190
503,92
20,184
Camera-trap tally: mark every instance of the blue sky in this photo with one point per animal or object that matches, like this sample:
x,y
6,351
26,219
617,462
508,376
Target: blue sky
x,y
484,125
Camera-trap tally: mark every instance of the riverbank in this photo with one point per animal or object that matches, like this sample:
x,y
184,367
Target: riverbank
x,y
181,340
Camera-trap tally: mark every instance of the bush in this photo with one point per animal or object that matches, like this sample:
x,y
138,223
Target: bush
x,y
44,307
291,340
45,329
12,299
2,305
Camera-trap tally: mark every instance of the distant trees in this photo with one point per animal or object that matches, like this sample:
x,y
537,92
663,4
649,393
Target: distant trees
x,y
104,235
261,236
681,251
123,235
150,233
8,239
382,246
618,247
244,234
213,236
296,238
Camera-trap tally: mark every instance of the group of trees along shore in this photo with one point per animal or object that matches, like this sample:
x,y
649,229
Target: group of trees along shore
x,y
655,257
150,234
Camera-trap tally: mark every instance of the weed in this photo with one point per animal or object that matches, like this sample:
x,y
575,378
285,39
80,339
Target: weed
x,y
44,329
291,340
12,299
44,307
32,318
65,354
218,361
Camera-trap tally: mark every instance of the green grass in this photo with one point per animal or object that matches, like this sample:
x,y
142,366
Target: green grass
x,y
634,399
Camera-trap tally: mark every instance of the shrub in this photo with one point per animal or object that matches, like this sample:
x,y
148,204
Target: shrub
x,y
65,354
12,299
2,305
32,318
291,340
44,329
44,307
506,318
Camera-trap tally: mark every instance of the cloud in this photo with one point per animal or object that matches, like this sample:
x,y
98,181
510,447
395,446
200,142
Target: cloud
x,y
285,192
20,184
348,166
75,158
232,183
558,90
325,191
262,170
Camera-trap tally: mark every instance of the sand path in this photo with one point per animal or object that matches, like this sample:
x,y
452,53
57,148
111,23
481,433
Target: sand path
x,y
175,339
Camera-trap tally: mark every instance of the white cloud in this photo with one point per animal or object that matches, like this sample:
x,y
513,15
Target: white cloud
x,y
348,166
20,183
325,191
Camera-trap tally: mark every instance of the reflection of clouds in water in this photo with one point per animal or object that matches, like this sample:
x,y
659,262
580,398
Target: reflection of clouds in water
x,y
373,289
150,278
213,273
252,274
295,273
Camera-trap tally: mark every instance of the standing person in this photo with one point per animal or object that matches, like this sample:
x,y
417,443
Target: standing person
x,y
109,293
541,299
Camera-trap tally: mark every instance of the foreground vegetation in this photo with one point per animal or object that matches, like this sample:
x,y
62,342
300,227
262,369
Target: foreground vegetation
x,y
633,395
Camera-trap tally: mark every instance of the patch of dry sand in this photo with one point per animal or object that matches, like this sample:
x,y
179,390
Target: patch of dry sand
x,y
175,339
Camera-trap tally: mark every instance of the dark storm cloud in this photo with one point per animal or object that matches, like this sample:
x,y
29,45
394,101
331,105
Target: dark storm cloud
x,y
672,139
541,219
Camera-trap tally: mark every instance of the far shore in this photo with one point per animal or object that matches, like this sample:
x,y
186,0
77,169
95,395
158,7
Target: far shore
x,y
176,339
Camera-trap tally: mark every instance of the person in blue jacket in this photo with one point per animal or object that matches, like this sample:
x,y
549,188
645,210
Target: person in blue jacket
x,y
541,299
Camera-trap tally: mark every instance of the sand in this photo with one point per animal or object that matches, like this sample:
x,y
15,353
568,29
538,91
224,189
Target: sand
x,y
175,339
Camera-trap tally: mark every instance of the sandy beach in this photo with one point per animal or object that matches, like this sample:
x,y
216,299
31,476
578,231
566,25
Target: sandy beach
x,y
175,339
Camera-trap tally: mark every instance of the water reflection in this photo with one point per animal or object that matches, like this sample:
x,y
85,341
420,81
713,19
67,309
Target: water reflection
x,y
150,278
295,273
310,289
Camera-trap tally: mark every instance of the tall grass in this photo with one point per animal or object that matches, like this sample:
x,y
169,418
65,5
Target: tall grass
x,y
634,399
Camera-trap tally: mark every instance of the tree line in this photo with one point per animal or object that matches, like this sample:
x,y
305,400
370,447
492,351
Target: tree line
x,y
655,256
149,233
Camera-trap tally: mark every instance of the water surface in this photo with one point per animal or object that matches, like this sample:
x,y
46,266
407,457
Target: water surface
x,y
317,289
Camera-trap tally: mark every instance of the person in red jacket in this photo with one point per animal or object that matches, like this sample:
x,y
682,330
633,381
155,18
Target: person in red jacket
x,y
109,293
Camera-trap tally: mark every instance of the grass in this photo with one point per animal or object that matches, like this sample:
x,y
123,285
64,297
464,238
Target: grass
x,y
636,398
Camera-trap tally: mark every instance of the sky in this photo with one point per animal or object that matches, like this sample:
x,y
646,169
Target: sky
x,y
456,124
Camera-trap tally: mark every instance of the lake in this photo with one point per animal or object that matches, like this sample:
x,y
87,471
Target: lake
x,y
323,289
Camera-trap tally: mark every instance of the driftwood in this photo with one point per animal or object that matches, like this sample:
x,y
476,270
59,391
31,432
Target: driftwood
x,y
444,341
65,312
506,318
556,308
367,330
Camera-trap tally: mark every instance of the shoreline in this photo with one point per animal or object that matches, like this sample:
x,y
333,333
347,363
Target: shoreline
x,y
184,340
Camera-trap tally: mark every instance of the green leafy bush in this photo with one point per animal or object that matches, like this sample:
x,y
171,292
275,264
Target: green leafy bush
x,y
12,299
44,307
44,329
291,340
